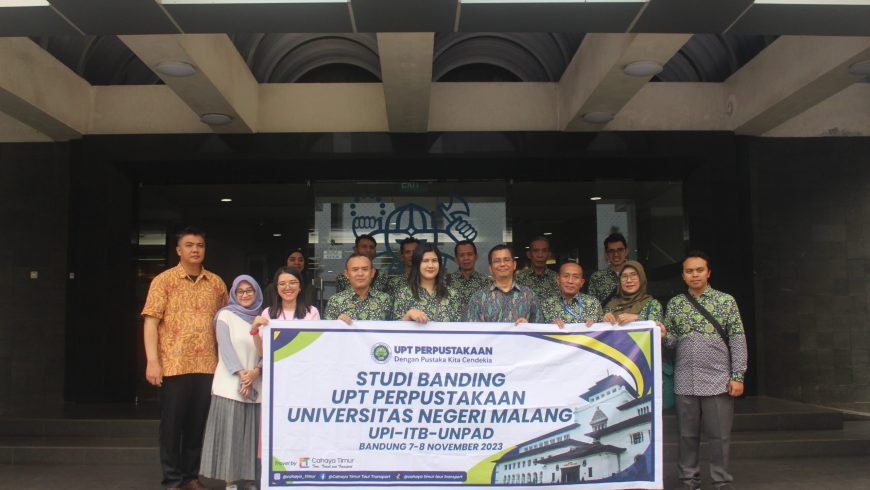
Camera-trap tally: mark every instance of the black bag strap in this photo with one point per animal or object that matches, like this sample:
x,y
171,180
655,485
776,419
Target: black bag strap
x,y
710,318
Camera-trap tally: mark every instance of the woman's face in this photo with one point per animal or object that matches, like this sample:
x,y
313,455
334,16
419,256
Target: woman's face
x,y
429,266
246,294
630,280
296,261
288,287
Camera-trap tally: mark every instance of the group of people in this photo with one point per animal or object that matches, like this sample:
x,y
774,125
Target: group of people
x,y
210,395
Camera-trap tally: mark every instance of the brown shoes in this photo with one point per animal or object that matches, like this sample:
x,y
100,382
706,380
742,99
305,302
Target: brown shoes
x,y
193,485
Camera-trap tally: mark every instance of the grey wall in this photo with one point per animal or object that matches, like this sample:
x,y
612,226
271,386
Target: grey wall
x,y
812,258
34,192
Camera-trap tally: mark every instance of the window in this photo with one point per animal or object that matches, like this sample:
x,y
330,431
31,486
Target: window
x,y
637,438
643,410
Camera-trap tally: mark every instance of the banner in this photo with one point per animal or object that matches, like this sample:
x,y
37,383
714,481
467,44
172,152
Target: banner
x,y
471,404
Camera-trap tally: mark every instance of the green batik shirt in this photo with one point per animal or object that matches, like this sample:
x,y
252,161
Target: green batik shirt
x,y
581,308
491,304
602,284
702,358
378,305
466,287
381,282
651,311
396,283
448,309
544,285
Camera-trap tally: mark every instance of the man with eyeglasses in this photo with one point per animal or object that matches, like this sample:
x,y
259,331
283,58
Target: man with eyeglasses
x,y
505,300
605,283
538,277
571,306
361,301
466,280
181,354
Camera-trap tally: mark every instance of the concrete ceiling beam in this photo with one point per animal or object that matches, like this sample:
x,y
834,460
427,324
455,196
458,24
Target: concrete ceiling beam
x,y
406,70
595,81
41,92
221,84
790,76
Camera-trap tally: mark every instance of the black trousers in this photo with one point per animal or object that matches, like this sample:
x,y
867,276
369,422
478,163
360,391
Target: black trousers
x,y
184,403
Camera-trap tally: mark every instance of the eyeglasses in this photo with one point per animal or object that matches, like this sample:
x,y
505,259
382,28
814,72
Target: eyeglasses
x,y
611,251
288,284
506,260
628,275
244,292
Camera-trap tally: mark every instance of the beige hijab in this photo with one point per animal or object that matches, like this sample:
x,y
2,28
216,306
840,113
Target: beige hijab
x,y
630,303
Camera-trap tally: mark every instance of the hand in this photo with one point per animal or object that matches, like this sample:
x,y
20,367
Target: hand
x,y
624,318
610,318
735,388
257,323
248,376
154,373
559,322
346,319
589,323
662,329
416,315
521,320
245,391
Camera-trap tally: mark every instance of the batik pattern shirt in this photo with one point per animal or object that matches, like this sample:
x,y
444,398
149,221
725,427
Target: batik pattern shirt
x,y
651,311
603,284
702,358
579,309
543,285
494,305
377,305
466,287
381,282
447,309
396,283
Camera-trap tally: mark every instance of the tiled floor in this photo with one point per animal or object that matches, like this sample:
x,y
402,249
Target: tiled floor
x,y
765,474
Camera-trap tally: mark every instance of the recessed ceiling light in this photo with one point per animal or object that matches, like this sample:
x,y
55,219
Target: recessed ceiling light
x,y
548,233
861,68
595,198
644,69
175,68
276,234
226,199
216,119
598,117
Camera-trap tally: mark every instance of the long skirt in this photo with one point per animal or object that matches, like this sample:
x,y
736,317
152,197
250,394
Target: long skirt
x,y
229,449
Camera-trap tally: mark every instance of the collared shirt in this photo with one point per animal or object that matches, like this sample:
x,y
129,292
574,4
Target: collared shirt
x,y
579,309
494,305
377,305
186,310
603,284
651,311
543,285
447,309
381,282
702,358
465,287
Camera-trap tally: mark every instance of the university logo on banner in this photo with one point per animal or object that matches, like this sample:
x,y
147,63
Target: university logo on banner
x,y
470,404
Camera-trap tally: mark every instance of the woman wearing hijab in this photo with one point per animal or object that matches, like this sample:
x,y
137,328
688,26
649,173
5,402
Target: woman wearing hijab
x,y
631,304
424,297
229,448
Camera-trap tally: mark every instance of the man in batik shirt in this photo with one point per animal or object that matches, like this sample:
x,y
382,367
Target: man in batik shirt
x,y
361,301
365,245
604,284
538,277
571,306
504,300
466,280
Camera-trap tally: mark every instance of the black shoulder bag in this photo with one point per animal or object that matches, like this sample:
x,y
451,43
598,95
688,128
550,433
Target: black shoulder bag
x,y
710,318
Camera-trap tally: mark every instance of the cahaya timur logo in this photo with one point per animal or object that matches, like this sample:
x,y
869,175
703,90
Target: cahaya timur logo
x,y
381,353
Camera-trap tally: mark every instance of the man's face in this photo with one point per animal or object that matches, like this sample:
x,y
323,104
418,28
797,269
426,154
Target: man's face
x,y
297,261
466,257
359,272
191,249
616,253
408,253
539,252
502,265
696,273
367,248
570,279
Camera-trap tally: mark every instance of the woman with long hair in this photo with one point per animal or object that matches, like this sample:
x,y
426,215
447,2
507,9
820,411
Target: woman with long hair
x,y
426,297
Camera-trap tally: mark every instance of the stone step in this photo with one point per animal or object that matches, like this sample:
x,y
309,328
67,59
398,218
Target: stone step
x,y
79,450
775,421
48,427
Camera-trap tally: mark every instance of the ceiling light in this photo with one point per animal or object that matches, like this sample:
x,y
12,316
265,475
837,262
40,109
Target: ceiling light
x,y
595,198
215,119
175,68
598,117
861,68
276,234
644,69
548,233
226,199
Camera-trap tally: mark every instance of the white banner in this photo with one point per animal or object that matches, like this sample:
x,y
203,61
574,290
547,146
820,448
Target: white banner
x,y
471,404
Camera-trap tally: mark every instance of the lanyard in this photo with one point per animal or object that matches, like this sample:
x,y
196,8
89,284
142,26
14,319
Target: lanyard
x,y
574,313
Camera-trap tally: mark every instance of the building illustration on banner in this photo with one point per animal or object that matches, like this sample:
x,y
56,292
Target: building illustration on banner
x,y
610,440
